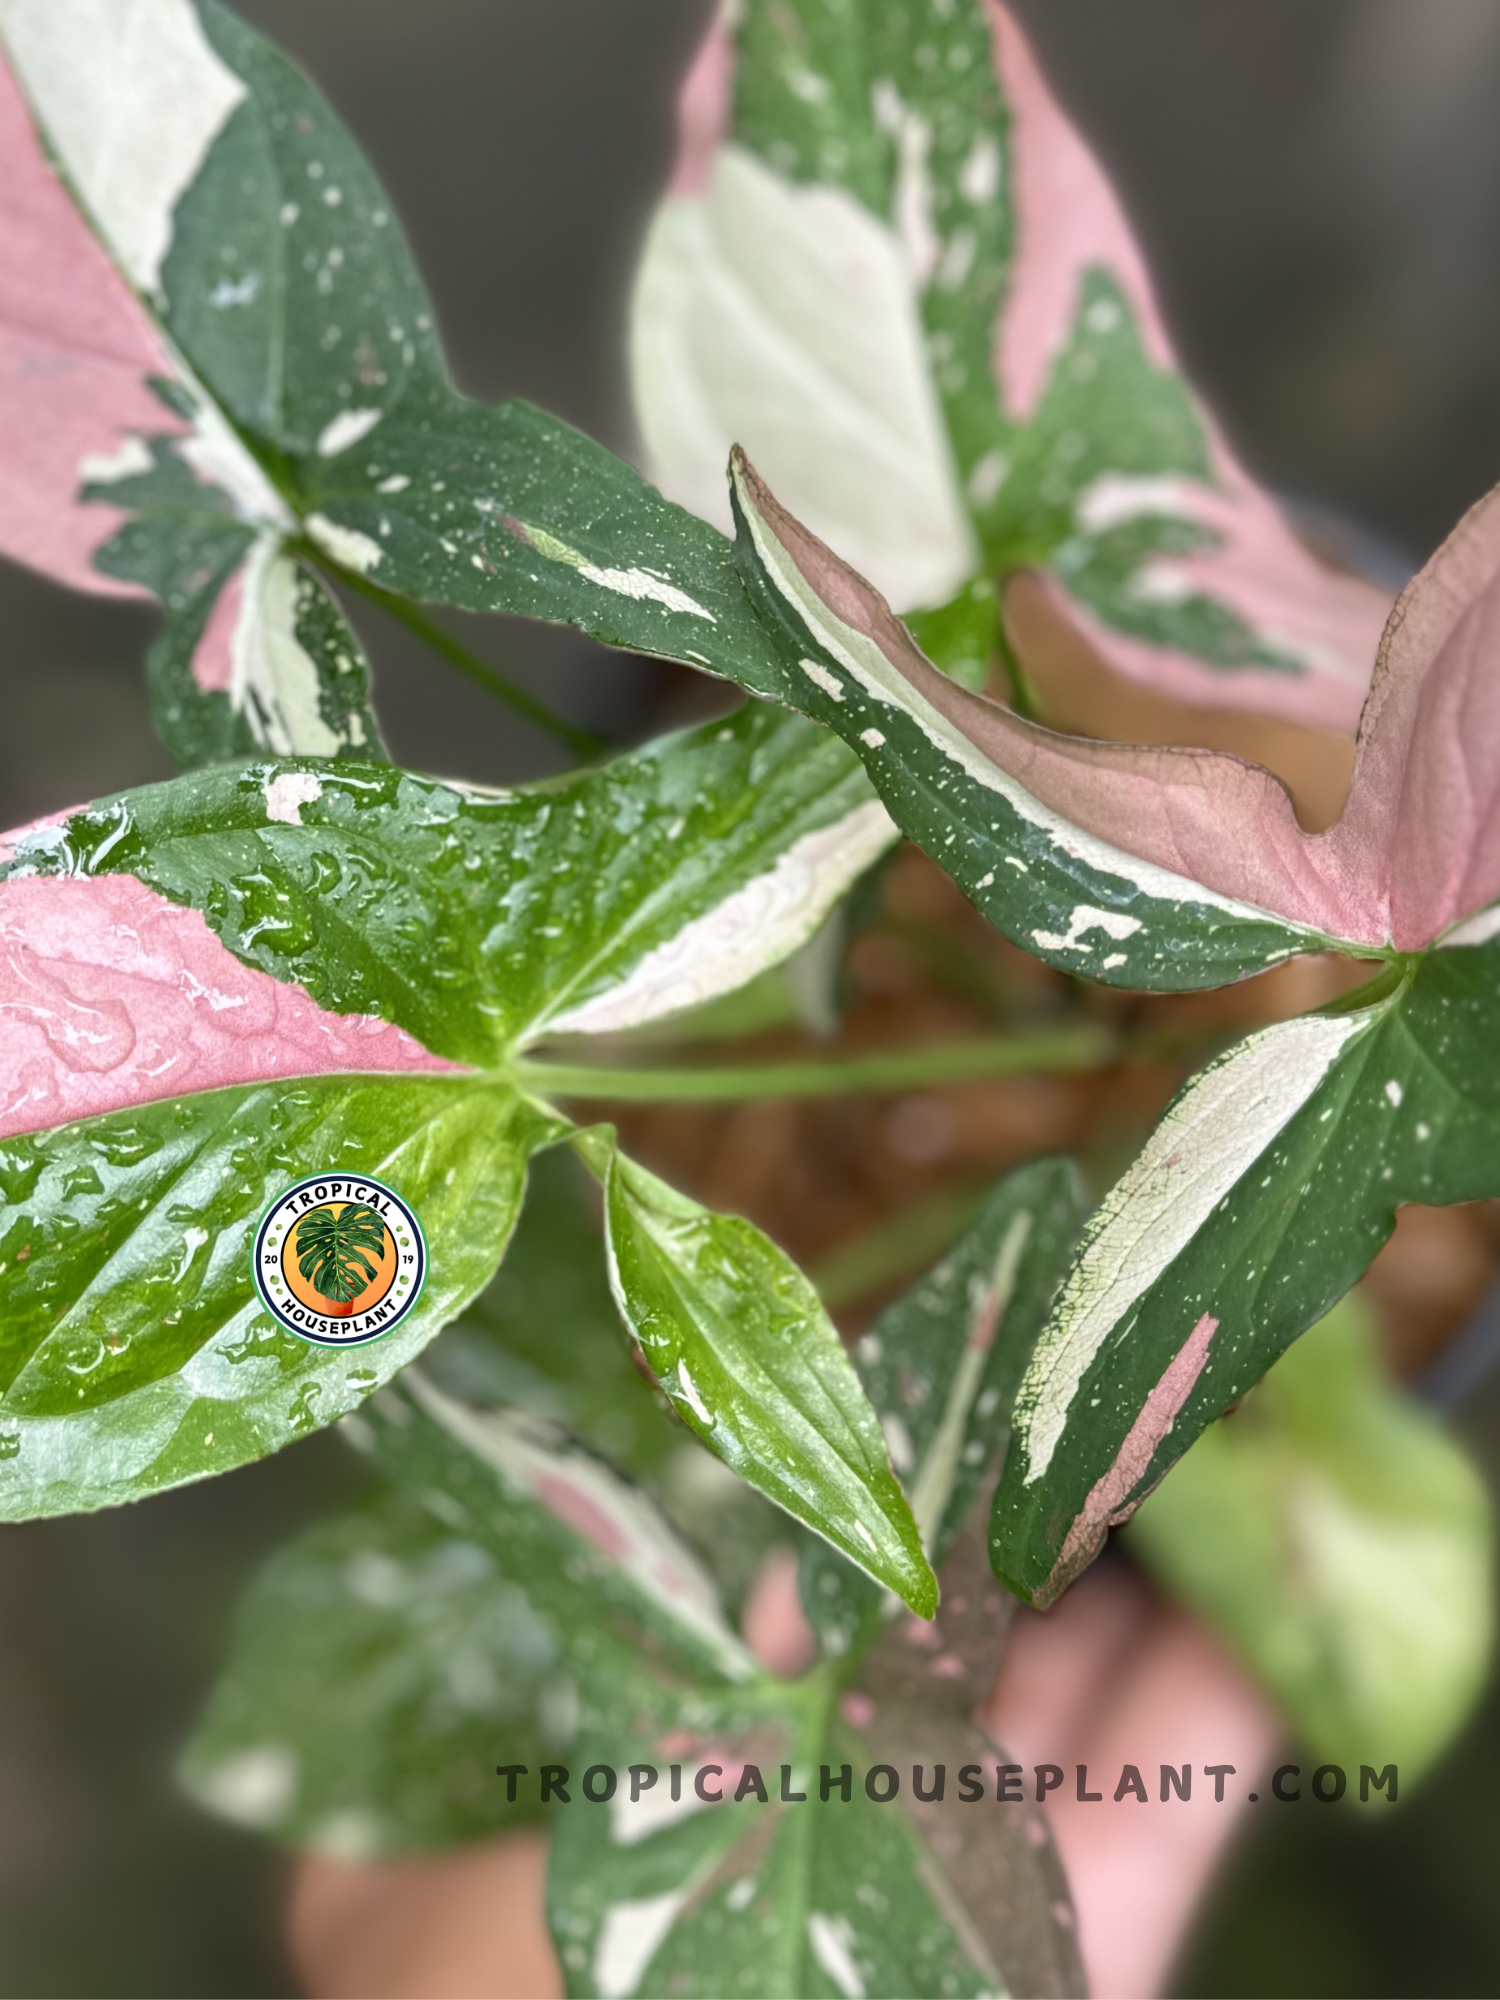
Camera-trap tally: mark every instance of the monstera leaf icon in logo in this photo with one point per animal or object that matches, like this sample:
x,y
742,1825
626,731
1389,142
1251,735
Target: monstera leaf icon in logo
x,y
334,1247
339,1261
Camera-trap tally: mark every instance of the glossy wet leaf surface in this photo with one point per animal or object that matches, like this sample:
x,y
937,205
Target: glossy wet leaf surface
x,y
737,1338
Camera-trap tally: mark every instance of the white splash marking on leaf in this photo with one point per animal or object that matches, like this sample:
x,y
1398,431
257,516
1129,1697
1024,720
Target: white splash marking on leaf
x,y
885,683
741,1894
346,545
932,1489
217,457
274,680
131,97
619,1520
630,1823
820,677
912,196
979,176
986,476
1474,930
628,1939
256,1787
1215,1132
755,927
1116,497
1083,920
1115,958
397,483
104,468
287,794
230,292
737,336
640,583
347,428
832,1941
872,738
1394,1092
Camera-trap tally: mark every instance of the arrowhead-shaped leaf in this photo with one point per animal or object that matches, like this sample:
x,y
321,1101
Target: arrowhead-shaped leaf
x,y
220,985
218,363
1163,868
148,273
783,1892
891,269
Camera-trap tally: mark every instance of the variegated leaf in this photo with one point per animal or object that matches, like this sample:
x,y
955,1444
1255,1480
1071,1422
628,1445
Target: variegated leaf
x,y
780,1891
439,1663
148,273
214,987
219,365
564,1525
1268,1187
1344,1546
891,269
1158,867
940,1367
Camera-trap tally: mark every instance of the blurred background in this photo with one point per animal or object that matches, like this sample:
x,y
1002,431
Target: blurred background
x,y
1319,189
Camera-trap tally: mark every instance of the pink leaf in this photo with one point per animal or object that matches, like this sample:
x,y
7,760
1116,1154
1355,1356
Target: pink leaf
x,y
75,352
1418,845
1069,221
110,997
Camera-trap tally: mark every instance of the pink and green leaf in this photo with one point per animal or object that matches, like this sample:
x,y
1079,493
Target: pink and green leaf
x,y
891,269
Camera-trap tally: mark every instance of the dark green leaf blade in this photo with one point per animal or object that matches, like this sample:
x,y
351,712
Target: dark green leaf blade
x,y
1264,1193
578,1536
940,1367
786,1895
476,920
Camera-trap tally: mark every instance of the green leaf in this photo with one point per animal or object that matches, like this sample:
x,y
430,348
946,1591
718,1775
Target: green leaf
x,y
535,1557
478,921
276,393
470,922
378,1668
971,783
546,1336
739,1341
1344,1546
789,1896
890,269
940,1367
592,1551
1264,1193
134,1352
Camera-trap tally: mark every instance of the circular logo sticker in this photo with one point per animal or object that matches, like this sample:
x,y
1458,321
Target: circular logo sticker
x,y
339,1261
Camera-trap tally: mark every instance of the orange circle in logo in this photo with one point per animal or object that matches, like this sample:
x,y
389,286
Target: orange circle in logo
x,y
384,1264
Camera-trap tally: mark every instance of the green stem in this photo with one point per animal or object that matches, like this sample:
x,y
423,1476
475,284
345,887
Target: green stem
x,y
582,742
828,1076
